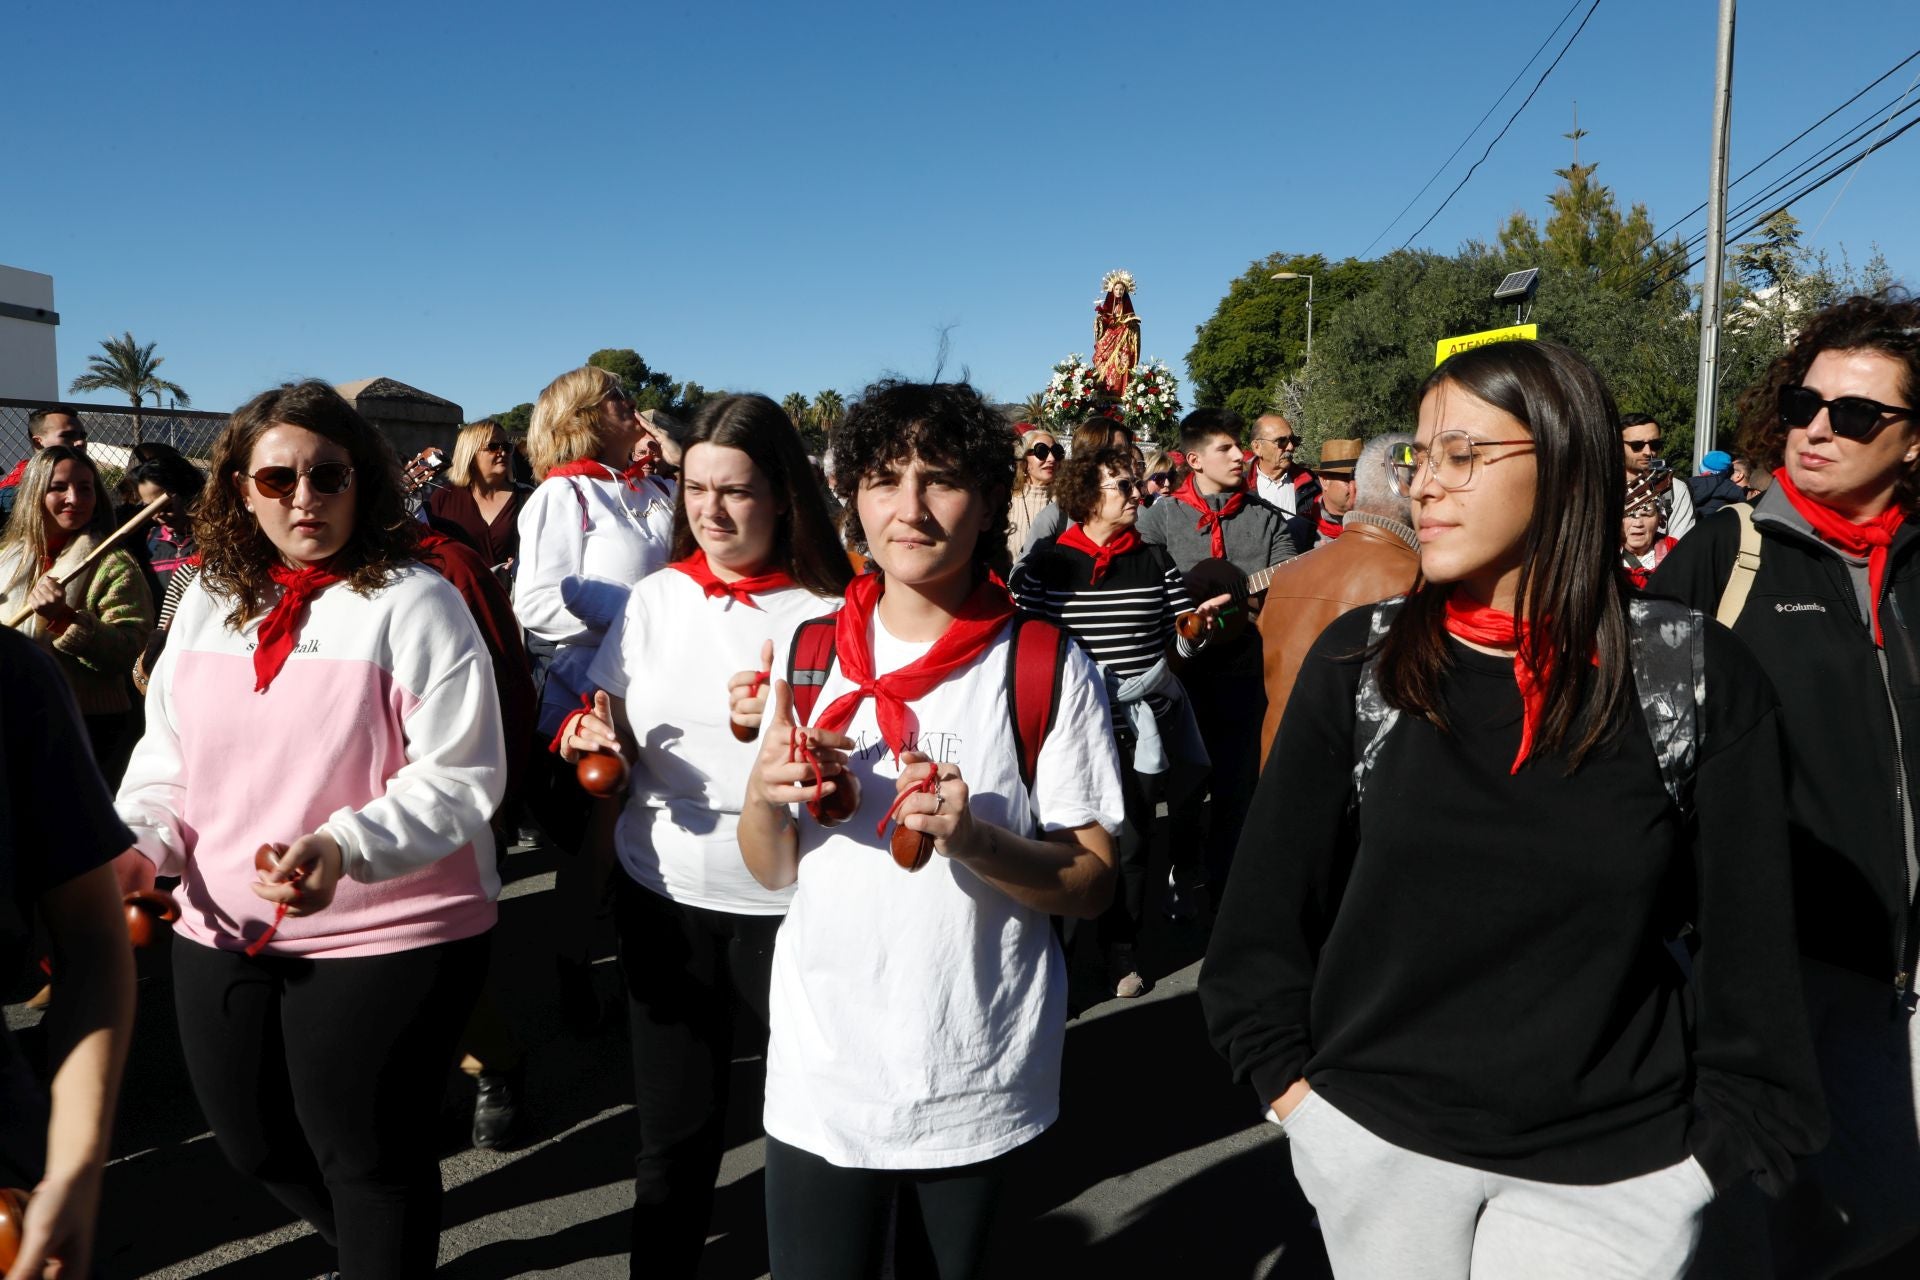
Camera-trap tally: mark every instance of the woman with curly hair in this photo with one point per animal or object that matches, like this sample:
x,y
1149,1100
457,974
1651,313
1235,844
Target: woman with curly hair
x,y
1119,597
917,1016
94,623
323,753
1831,612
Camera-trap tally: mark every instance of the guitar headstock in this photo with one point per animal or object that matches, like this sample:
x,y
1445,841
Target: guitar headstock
x,y
422,469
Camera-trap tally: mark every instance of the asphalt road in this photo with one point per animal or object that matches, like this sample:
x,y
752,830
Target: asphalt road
x,y
1157,1161
1157,1167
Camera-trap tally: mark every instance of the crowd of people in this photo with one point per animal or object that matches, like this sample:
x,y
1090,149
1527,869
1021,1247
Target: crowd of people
x,y
1551,813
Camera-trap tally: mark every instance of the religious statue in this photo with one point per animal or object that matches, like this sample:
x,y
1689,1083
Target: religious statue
x,y
1116,333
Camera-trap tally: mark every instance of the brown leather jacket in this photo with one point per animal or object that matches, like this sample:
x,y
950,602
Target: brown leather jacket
x,y
1367,563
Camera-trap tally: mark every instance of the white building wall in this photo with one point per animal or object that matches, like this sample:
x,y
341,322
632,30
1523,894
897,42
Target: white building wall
x,y
28,364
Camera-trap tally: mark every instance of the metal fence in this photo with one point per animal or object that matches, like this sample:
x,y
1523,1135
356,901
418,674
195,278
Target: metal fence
x,y
113,430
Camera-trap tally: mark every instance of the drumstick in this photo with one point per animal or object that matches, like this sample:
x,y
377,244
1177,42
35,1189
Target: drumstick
x,y
106,544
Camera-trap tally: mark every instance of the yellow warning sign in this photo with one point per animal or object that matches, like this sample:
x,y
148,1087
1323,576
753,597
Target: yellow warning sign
x,y
1467,341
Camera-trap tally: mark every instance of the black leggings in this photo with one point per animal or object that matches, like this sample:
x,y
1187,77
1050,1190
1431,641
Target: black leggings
x,y
829,1223
323,1078
687,971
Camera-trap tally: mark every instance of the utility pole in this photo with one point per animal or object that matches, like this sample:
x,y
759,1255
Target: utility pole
x,y
1706,401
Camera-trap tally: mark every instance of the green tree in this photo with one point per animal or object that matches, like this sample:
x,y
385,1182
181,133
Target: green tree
x,y
124,365
1587,236
1257,336
829,410
795,405
515,421
647,387
1034,408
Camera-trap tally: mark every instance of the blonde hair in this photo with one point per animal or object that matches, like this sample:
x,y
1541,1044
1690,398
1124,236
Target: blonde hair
x,y
24,546
566,419
473,437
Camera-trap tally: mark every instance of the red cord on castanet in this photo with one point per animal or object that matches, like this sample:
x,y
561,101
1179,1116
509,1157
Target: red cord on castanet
x,y
910,849
748,732
263,859
13,1212
835,807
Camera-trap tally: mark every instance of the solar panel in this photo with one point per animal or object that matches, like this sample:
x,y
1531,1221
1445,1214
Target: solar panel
x,y
1518,284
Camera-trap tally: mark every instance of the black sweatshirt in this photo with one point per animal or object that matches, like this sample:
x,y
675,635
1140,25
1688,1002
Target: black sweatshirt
x,y
1472,966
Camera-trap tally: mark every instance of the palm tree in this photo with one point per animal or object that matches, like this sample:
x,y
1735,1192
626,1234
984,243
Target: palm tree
x,y
125,366
1034,409
795,405
828,410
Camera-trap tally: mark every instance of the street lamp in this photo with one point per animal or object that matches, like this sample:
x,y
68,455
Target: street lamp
x,y
1296,275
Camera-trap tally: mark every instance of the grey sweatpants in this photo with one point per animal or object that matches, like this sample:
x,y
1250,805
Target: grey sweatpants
x,y
1387,1213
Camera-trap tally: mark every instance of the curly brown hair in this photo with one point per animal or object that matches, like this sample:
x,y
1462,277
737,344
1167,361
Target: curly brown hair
x,y
1076,485
235,554
1887,322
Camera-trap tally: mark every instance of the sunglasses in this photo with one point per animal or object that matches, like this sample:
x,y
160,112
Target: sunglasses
x,y
496,449
1641,446
1852,417
1044,451
1126,488
327,479
1284,442
1160,478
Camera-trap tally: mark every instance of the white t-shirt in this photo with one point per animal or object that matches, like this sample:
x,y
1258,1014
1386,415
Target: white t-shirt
x,y
670,655
1281,493
918,1016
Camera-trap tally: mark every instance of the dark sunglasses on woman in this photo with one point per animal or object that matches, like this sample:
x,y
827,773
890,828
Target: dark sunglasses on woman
x,y
327,479
1851,417
1044,451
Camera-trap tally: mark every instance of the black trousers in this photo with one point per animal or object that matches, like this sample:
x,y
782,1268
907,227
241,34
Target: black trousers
x,y
825,1222
322,1079
1229,698
688,971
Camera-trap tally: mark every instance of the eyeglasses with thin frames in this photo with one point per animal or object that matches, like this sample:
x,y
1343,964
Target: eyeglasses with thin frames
x,y
1453,459
1127,488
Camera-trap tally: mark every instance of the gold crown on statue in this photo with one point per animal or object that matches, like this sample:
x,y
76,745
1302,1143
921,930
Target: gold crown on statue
x,y
1117,282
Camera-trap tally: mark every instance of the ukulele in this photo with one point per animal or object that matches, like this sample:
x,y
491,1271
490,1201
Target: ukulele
x,y
1218,577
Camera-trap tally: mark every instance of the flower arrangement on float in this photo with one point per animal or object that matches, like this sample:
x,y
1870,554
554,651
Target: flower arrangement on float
x,y
1072,394
1150,405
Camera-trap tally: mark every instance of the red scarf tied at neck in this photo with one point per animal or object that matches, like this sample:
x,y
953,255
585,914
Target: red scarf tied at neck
x,y
633,475
1103,556
1329,528
1211,522
280,629
1869,540
742,590
973,628
1483,624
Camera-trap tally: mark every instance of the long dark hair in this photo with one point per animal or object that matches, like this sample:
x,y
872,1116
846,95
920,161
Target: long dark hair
x,y
235,554
1570,592
1887,323
805,545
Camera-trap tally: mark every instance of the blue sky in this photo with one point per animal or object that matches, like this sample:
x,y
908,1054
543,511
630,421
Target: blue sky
x,y
472,197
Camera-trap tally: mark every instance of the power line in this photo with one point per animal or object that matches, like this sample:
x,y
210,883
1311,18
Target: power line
x,y
1856,172
1853,135
1795,138
1503,128
1491,108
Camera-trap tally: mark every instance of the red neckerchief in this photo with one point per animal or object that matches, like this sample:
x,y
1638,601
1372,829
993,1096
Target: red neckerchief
x,y
1870,539
632,476
1118,545
1484,624
281,627
1638,573
1328,528
744,590
14,476
973,628
1211,522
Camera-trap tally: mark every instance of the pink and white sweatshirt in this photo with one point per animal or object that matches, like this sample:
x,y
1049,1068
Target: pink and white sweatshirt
x,y
383,729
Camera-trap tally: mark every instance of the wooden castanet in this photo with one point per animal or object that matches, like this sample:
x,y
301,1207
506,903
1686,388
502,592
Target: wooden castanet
x,y
911,849
146,910
602,774
840,804
13,1213
743,732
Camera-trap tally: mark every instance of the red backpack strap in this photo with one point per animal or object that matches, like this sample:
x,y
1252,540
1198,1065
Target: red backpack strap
x,y
1035,662
808,662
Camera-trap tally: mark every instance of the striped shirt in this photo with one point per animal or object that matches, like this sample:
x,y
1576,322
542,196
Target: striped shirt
x,y
1125,623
